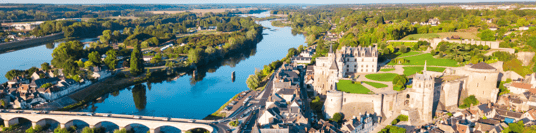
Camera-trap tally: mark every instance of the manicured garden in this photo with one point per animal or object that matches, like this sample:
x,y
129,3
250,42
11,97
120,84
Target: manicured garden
x,y
413,70
350,87
375,85
381,76
409,54
419,60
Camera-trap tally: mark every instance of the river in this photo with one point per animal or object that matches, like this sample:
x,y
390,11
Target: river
x,y
188,97
26,58
183,97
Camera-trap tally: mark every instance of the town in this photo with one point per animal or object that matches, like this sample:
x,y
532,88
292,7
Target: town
x,y
254,68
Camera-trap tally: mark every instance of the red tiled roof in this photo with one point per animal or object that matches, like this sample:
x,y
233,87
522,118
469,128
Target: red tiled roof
x,y
522,85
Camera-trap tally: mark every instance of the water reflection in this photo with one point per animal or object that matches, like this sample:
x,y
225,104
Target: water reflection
x,y
50,46
139,96
227,61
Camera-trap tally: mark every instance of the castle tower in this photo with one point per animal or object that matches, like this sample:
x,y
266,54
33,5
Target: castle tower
x,y
333,103
422,95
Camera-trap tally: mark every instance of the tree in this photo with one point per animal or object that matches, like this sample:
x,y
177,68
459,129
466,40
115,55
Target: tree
x,y
94,57
337,117
120,131
106,36
13,73
88,64
487,35
111,59
253,81
61,130
502,22
3,103
45,66
87,130
156,59
136,60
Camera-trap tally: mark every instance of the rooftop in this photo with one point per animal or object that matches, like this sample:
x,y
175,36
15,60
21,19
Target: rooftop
x,y
483,65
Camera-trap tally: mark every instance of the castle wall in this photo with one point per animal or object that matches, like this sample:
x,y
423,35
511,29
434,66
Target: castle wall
x,y
450,92
483,84
492,44
351,104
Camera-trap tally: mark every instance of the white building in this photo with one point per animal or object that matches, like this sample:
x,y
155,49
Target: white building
x,y
343,63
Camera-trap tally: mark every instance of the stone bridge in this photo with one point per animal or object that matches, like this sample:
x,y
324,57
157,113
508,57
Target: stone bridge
x,y
66,119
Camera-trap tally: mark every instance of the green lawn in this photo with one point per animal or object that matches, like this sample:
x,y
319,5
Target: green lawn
x,y
386,70
375,85
409,54
417,36
412,70
349,87
419,60
381,76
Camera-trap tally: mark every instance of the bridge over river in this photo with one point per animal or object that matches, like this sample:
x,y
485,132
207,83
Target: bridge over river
x,y
66,119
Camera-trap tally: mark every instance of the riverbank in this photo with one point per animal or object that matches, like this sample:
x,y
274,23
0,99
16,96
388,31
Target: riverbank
x,y
7,46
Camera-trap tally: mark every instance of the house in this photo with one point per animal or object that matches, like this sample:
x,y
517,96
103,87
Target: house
x,y
531,114
287,94
365,124
485,110
100,73
38,74
520,88
147,58
38,83
486,128
492,28
462,128
270,115
57,71
523,28
509,114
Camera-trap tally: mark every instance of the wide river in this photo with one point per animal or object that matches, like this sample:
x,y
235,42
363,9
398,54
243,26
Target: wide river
x,y
184,97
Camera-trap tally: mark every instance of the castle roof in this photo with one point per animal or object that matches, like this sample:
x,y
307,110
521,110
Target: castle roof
x,y
334,65
482,65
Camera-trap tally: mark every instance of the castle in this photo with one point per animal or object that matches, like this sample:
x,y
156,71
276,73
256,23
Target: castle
x,y
345,62
419,100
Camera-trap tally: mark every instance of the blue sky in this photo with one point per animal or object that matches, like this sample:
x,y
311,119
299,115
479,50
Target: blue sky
x,y
238,1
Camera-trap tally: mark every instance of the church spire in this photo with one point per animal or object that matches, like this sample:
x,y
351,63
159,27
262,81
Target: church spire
x,y
424,71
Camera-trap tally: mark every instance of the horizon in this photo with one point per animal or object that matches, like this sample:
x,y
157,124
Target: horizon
x,y
303,2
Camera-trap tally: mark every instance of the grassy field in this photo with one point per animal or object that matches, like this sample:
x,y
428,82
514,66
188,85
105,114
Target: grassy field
x,y
463,35
381,76
375,85
349,87
408,54
412,70
386,70
419,60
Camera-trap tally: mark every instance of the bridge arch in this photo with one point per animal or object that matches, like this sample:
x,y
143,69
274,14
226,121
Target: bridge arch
x,y
167,128
138,127
44,121
78,123
108,125
16,120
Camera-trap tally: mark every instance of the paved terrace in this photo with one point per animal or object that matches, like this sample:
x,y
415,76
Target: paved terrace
x,y
66,119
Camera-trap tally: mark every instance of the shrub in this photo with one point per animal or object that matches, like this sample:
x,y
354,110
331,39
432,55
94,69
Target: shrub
x,y
337,117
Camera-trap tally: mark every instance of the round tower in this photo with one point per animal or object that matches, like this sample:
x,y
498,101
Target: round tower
x,y
333,103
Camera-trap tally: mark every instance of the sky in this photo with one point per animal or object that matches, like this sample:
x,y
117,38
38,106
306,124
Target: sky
x,y
240,1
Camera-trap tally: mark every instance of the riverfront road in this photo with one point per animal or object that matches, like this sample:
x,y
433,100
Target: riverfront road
x,y
66,119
